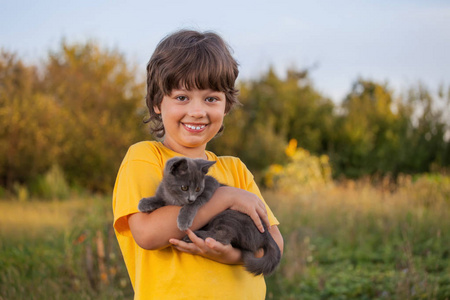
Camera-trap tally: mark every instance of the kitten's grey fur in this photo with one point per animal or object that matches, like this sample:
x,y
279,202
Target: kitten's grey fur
x,y
186,184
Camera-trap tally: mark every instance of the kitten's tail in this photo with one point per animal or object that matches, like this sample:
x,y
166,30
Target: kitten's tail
x,y
266,264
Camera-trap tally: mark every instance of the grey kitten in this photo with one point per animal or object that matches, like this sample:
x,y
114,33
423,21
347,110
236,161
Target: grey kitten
x,y
185,183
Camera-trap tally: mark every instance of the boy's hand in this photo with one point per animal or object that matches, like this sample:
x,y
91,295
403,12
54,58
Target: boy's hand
x,y
208,248
249,204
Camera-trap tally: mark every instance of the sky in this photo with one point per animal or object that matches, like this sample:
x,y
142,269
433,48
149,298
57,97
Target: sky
x,y
398,42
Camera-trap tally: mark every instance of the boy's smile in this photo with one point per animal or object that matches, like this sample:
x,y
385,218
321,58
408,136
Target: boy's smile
x,y
191,119
194,128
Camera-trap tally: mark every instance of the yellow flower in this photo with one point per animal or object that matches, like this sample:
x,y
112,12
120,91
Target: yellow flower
x,y
291,148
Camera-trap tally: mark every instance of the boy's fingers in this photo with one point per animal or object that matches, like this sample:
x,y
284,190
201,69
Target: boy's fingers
x,y
263,206
261,209
216,246
183,246
194,238
209,245
213,244
199,243
178,243
257,220
263,215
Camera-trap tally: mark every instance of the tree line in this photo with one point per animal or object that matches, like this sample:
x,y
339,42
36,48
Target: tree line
x,y
372,132
84,106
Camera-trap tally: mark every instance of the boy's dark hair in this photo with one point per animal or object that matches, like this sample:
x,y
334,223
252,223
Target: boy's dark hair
x,y
192,60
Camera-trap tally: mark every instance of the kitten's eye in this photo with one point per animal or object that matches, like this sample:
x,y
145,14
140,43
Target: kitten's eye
x,y
197,189
184,188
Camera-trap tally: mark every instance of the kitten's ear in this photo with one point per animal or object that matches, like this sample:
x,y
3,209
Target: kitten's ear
x,y
204,165
177,165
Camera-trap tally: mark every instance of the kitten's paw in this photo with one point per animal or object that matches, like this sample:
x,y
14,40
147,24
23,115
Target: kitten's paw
x,y
186,217
147,205
183,223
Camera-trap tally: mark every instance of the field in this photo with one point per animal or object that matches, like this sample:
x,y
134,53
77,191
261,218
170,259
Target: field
x,y
347,241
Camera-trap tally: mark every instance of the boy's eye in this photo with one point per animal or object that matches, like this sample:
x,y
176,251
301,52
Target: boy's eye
x,y
184,188
211,99
181,98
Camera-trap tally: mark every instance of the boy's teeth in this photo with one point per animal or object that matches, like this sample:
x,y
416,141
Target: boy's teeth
x,y
195,127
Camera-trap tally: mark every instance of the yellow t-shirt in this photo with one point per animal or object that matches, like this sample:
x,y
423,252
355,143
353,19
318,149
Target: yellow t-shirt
x,y
168,273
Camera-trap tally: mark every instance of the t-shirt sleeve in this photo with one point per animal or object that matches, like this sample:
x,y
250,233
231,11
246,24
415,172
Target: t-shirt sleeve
x,y
255,190
137,178
252,187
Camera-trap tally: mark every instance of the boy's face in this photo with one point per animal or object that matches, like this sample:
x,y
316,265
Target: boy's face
x,y
191,118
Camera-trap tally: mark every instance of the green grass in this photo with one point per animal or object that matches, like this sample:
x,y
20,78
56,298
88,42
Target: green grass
x,y
345,242
50,250
358,242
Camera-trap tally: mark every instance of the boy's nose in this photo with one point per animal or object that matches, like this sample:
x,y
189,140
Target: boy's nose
x,y
197,114
197,110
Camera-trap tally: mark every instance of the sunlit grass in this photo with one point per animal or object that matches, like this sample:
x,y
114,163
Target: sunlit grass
x,y
357,241
351,240
31,218
60,250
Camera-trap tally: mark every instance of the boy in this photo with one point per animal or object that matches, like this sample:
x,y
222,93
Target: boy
x,y
190,88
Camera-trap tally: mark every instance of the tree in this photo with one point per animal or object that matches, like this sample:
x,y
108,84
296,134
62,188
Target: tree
x,y
274,111
81,114
30,124
103,103
425,143
378,134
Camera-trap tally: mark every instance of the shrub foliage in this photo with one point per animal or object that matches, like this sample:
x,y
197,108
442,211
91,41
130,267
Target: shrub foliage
x,y
84,105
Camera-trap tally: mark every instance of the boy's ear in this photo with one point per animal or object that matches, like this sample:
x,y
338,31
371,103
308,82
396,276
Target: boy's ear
x,y
156,109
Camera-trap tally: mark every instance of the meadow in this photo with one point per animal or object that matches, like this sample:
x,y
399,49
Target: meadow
x,y
352,240
364,239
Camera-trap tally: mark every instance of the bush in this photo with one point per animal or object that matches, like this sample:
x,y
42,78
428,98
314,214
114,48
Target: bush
x,y
303,173
53,185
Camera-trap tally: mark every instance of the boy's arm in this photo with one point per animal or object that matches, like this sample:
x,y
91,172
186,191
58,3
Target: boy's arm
x,y
214,250
276,234
209,248
153,231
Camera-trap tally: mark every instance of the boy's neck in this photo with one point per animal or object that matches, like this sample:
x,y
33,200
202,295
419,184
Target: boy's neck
x,y
197,152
